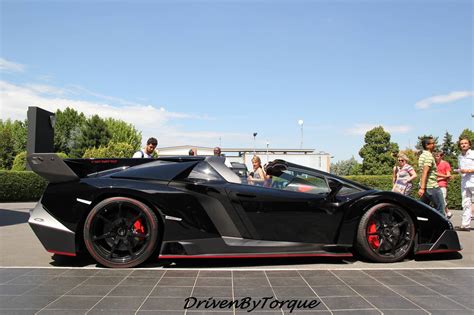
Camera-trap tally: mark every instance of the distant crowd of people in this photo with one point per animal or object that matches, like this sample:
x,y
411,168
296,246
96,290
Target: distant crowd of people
x,y
434,171
152,143
256,177
435,174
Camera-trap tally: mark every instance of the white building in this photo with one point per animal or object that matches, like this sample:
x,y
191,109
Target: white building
x,y
307,157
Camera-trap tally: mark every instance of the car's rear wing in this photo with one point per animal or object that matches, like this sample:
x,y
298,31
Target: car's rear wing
x,y
56,170
51,167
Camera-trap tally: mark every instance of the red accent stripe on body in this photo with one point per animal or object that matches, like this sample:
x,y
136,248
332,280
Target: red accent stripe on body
x,y
61,253
437,251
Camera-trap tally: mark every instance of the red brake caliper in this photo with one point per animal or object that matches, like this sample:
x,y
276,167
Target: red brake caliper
x,y
372,239
138,227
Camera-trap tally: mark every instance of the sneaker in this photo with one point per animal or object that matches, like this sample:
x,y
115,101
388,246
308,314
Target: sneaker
x,y
463,228
449,215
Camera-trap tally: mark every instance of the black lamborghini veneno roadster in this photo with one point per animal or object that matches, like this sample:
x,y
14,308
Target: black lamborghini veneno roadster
x,y
125,211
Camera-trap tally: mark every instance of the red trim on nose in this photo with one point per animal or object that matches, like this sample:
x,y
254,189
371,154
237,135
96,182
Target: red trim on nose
x,y
437,251
61,253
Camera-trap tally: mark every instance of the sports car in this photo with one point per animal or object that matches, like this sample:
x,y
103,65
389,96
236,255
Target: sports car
x,y
126,211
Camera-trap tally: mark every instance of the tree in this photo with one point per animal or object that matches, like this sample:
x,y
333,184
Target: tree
x,y
346,167
378,152
112,150
13,141
67,126
356,169
123,132
7,144
93,134
449,149
19,134
19,164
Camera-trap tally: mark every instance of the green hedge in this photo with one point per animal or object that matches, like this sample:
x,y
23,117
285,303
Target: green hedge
x,y
27,186
20,186
384,182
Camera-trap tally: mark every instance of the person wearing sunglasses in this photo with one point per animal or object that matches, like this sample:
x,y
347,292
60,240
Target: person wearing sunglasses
x,y
429,191
403,176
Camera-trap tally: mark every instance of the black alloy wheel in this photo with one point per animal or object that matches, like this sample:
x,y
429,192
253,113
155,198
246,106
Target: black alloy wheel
x,y
121,232
386,233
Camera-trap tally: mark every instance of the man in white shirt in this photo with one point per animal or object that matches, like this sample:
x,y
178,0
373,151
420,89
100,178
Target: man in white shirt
x,y
148,150
466,169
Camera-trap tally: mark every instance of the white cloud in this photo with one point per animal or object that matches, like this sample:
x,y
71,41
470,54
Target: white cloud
x,y
9,66
442,99
46,89
152,121
361,129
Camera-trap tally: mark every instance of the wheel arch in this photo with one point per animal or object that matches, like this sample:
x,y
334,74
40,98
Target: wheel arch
x,y
357,209
137,195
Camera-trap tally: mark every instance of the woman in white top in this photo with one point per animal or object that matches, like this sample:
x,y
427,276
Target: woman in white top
x,y
403,175
257,176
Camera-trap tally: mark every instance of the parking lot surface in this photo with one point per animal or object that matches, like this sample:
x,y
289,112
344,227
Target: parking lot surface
x,y
33,281
92,291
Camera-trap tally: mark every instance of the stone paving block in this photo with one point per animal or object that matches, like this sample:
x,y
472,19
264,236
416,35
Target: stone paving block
x,y
214,291
119,303
334,291
25,302
213,282
127,290
294,292
346,303
74,303
185,282
103,280
413,290
391,302
256,292
374,290
91,290
163,304
169,291
215,274
435,303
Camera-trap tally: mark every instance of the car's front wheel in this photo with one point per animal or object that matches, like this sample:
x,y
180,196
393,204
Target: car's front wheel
x,y
386,233
121,232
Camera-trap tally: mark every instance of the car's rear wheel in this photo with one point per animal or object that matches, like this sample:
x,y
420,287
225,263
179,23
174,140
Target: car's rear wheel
x,y
386,233
121,232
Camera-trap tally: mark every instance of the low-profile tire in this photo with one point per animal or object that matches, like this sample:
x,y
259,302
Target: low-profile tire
x,y
121,232
386,234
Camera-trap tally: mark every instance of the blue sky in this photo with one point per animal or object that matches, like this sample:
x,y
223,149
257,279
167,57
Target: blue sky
x,y
194,72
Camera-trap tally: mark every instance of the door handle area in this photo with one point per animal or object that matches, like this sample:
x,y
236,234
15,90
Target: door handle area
x,y
245,195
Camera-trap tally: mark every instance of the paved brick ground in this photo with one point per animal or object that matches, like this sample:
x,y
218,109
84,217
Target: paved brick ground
x,y
107,291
